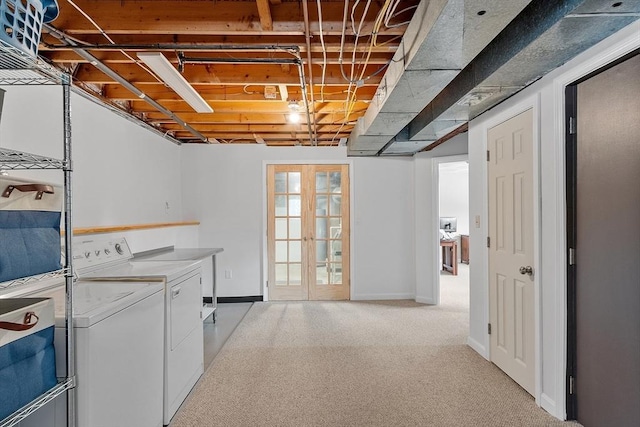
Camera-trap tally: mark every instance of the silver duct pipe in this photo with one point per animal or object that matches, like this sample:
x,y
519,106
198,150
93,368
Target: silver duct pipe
x,y
291,49
303,88
307,36
117,77
186,59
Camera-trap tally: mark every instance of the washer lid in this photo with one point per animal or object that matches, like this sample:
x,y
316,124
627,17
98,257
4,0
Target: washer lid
x,y
95,301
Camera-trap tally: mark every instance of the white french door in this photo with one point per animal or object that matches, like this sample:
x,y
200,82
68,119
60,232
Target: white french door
x,y
308,232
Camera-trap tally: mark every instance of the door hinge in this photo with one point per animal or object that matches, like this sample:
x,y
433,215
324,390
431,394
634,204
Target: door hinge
x,y
488,155
571,384
267,283
489,328
572,256
488,241
572,125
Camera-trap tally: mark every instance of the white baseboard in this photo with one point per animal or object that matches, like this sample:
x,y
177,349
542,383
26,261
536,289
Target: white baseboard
x,y
479,348
423,300
549,405
361,297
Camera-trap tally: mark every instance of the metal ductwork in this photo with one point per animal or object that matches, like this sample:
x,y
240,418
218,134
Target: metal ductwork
x,y
442,38
542,36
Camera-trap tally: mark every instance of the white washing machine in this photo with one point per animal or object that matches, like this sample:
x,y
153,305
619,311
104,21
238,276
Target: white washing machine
x,y
119,363
183,332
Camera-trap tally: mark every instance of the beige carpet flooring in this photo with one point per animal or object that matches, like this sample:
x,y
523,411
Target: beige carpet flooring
x,y
383,363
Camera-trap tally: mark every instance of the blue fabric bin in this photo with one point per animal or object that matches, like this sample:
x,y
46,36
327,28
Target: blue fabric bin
x,y
30,215
27,357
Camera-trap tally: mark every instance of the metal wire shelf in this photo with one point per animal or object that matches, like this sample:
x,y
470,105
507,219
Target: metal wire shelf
x,y
31,279
39,402
12,159
20,68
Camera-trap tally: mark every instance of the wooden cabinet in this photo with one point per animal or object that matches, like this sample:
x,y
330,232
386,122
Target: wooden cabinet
x,y
464,248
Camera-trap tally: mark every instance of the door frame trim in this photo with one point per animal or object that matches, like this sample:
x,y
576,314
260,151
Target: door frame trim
x,y
570,143
610,55
529,103
264,268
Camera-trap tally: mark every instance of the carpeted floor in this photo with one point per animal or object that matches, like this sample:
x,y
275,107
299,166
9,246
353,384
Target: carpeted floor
x,y
383,363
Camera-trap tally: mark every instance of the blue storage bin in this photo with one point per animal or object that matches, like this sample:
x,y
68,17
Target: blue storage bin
x,y
27,355
29,228
21,22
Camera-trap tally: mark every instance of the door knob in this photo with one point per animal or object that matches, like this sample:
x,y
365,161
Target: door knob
x,y
526,270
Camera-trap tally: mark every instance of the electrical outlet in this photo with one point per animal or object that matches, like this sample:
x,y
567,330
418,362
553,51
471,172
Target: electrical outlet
x,y
227,273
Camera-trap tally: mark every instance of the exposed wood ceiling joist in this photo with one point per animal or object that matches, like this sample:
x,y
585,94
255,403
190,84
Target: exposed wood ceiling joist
x,y
247,99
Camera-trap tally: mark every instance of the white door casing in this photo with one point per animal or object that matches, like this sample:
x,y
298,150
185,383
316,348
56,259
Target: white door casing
x,y
511,220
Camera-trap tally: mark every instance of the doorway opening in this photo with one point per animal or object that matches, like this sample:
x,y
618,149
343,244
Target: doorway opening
x,y
453,231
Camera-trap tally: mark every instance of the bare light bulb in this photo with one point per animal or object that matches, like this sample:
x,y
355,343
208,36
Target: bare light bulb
x,y
294,112
294,117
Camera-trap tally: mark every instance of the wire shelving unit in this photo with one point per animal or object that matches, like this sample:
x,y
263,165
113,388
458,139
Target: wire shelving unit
x,y
19,68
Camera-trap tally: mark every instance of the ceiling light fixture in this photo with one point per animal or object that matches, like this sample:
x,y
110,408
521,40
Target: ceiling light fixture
x,y
160,65
294,112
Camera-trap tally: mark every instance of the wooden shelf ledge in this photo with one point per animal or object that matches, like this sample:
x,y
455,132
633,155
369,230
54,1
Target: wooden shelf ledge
x,y
116,228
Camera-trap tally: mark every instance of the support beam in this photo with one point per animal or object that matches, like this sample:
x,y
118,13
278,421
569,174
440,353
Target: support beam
x,y
264,11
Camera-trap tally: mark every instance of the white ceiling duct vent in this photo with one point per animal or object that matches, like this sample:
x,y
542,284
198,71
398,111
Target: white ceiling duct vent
x,y
474,98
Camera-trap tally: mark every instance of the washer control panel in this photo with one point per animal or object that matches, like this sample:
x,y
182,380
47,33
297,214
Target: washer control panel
x,y
89,253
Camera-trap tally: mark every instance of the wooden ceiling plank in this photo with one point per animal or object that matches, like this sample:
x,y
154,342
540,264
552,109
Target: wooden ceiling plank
x,y
199,17
184,41
263,74
160,93
250,135
266,107
238,118
117,57
262,129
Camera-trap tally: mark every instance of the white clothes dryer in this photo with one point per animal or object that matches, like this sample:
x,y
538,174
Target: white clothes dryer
x,y
183,332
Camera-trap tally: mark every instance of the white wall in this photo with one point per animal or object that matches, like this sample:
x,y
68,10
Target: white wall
x,y
123,174
454,193
383,232
224,189
546,95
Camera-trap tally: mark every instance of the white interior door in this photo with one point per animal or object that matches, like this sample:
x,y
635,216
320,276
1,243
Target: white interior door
x,y
511,286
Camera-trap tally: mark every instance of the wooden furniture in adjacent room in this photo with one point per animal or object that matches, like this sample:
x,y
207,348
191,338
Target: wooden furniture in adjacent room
x,y
449,256
464,248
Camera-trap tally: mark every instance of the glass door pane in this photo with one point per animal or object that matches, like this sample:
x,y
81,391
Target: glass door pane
x,y
327,266
285,234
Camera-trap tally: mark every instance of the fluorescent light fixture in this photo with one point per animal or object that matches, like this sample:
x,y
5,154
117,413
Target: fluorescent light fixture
x,y
161,66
